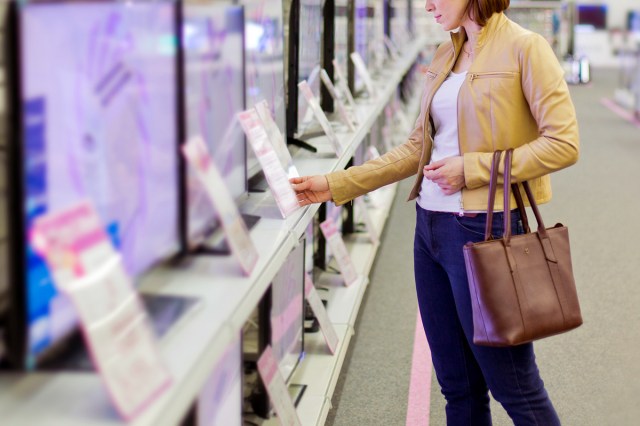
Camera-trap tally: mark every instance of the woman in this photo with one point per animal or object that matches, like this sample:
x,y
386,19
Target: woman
x,y
494,86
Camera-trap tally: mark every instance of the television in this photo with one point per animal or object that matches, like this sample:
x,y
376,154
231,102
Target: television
x,y
264,62
362,37
213,89
287,311
94,94
304,20
341,38
277,321
220,400
593,15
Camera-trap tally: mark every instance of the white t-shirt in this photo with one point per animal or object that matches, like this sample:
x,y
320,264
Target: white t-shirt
x,y
444,112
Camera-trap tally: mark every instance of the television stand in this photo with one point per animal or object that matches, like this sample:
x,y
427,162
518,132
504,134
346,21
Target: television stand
x,y
302,144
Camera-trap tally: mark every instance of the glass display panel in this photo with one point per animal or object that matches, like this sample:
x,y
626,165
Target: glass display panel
x,y
98,98
212,39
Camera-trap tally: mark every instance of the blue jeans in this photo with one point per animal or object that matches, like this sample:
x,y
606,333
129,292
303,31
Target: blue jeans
x,y
464,370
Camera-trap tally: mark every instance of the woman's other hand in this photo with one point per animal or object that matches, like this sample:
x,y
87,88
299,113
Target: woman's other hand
x,y
447,173
311,189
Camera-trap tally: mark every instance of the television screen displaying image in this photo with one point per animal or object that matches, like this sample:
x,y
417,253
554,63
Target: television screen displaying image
x,y
341,36
264,51
212,42
287,313
309,54
592,15
98,94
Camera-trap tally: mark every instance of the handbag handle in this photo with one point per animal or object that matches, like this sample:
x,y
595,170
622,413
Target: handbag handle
x,y
508,187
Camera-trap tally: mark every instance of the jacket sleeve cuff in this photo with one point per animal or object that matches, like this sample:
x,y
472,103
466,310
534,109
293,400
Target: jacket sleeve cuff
x,y
337,187
477,169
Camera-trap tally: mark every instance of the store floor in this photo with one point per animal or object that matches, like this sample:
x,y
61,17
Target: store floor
x,y
592,373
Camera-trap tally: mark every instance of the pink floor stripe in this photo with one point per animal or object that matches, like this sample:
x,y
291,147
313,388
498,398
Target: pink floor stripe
x,y
420,387
621,111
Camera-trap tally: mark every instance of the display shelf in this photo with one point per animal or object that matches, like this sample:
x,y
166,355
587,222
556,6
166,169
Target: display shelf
x,y
319,371
226,297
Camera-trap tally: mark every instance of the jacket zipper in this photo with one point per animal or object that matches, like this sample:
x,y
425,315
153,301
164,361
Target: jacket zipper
x,y
474,76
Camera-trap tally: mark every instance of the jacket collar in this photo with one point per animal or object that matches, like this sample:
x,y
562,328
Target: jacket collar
x,y
494,23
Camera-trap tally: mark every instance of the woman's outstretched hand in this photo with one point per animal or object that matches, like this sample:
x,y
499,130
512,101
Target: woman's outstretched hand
x,y
311,189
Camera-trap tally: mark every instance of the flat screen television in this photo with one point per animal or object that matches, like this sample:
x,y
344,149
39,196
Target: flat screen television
x,y
220,400
277,321
287,311
305,22
264,62
594,15
95,94
363,37
213,71
341,38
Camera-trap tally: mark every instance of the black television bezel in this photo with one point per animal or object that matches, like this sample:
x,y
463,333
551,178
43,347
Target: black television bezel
x,y
197,244
17,353
293,73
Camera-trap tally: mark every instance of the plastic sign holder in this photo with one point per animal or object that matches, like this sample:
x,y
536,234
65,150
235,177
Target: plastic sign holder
x,y
277,389
342,112
344,88
236,232
393,50
339,250
320,116
87,269
275,174
361,69
363,213
277,139
328,331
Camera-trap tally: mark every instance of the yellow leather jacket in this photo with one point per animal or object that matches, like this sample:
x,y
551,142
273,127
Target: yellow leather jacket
x,y
514,96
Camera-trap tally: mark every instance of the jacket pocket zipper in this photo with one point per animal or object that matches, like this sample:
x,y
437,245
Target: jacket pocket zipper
x,y
501,74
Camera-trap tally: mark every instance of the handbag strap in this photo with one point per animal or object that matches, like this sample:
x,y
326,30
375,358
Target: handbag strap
x,y
493,185
542,231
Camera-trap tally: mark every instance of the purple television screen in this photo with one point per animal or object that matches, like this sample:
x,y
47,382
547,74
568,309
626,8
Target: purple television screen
x,y
214,93
309,55
264,51
99,102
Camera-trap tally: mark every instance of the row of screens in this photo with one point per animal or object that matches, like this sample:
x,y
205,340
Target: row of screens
x,y
99,87
99,91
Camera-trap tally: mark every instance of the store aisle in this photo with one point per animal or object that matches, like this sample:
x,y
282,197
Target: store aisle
x,y
592,374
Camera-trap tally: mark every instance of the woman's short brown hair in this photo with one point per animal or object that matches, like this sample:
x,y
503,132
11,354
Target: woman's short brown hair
x,y
481,10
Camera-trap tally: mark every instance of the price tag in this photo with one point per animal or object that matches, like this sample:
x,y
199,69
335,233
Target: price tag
x,y
364,214
328,331
277,389
344,87
277,140
276,176
245,252
87,269
361,69
320,116
332,91
339,250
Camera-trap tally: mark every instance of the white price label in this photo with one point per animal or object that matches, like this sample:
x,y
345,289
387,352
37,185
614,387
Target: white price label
x,y
277,389
320,116
339,250
276,176
328,331
88,270
245,252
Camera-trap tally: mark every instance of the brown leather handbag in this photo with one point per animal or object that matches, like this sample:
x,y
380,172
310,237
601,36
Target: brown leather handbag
x,y
521,286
